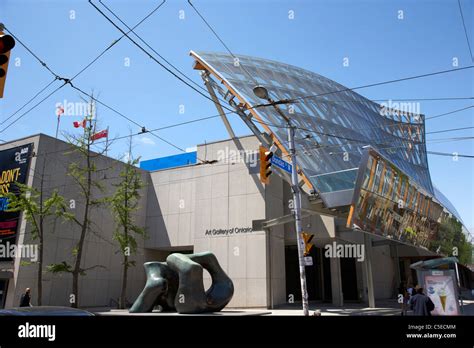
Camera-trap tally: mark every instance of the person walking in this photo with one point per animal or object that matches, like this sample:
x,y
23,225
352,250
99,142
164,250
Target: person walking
x,y
421,304
25,300
402,290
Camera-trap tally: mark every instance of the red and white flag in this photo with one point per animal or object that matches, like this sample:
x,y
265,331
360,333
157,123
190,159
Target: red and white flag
x,y
59,110
102,134
78,124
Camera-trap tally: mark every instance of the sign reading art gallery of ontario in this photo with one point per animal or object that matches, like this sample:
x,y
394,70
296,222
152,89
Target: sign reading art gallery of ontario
x,y
14,164
388,203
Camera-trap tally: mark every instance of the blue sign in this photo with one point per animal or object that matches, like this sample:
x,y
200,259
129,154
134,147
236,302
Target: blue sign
x,y
278,162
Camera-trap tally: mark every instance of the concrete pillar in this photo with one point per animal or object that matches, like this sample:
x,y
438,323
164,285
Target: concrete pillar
x,y
396,267
321,272
336,281
368,270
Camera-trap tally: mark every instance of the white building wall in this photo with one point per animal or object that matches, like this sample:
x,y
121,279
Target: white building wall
x,y
383,272
186,202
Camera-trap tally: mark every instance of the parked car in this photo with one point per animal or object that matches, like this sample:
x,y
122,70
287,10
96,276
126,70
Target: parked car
x,y
47,311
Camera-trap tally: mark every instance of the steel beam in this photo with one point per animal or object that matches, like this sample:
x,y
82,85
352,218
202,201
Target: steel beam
x,y
205,77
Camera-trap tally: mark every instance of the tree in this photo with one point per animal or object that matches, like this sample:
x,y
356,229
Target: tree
x,y
124,202
84,173
36,207
451,241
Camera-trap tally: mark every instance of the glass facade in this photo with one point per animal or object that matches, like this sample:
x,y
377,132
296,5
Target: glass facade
x,y
340,123
335,129
396,207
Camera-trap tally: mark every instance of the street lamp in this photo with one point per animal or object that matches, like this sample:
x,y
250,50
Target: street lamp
x,y
262,93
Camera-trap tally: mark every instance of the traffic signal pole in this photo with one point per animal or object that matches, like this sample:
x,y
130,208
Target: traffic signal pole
x,y
297,212
6,44
262,92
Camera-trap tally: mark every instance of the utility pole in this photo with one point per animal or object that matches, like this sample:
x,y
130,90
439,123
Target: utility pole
x,y
262,93
298,224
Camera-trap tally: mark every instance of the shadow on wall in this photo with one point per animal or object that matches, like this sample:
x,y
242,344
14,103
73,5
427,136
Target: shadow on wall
x,y
155,222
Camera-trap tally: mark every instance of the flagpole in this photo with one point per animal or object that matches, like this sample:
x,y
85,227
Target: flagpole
x,y
107,141
93,116
57,126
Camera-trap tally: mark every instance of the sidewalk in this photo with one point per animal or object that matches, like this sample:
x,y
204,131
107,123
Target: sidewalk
x,y
384,308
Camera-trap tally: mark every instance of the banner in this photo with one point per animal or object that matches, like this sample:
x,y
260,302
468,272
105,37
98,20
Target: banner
x,y
442,291
14,164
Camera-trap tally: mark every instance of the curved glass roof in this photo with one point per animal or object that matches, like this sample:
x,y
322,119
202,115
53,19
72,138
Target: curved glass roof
x,y
446,203
340,122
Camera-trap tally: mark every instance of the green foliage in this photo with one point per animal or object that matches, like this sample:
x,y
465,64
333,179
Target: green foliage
x,y
88,180
124,203
27,200
62,267
409,230
451,236
26,263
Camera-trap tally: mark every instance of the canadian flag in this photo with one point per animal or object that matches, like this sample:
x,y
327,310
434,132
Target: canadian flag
x,y
60,110
102,134
78,124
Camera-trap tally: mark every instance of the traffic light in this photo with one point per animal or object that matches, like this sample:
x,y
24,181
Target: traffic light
x,y
6,44
265,165
307,245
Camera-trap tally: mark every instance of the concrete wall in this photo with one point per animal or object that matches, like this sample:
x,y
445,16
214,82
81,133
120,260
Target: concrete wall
x,y
275,207
383,268
383,272
100,285
186,202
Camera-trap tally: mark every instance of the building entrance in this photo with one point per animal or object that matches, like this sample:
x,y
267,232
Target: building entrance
x,y
3,292
349,279
318,280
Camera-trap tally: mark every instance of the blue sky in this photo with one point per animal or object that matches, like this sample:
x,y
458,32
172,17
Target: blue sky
x,y
379,45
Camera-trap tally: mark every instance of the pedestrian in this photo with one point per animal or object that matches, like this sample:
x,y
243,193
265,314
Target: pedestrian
x,y
402,290
411,290
26,298
410,293
421,304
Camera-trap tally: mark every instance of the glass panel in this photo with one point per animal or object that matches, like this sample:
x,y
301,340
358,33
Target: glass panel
x,y
337,181
387,181
340,116
415,223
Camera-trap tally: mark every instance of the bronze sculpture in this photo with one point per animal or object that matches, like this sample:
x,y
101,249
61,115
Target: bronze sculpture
x,y
177,284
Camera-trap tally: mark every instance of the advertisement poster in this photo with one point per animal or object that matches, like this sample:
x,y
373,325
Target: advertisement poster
x,y
14,165
442,291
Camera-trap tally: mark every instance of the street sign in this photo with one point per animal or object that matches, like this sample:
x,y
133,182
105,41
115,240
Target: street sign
x,y
308,261
280,163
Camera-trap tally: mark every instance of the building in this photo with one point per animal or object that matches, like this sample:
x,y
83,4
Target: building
x,y
41,156
368,197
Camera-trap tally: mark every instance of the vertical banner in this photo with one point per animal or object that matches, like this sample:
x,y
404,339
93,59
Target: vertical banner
x,y
14,164
442,290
